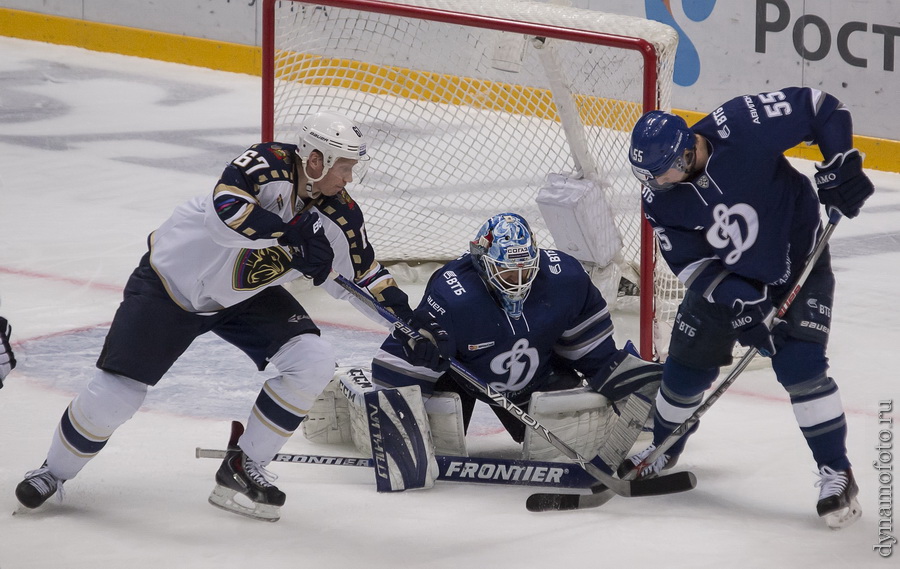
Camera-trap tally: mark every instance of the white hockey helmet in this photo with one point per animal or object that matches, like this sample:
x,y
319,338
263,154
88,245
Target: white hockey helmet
x,y
332,134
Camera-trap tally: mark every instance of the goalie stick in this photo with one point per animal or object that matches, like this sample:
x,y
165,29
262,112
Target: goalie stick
x,y
600,494
480,470
667,484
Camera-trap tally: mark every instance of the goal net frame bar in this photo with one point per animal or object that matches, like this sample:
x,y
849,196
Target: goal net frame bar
x,y
649,95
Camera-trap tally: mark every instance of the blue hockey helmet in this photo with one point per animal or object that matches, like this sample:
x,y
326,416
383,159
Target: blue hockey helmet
x,y
507,257
658,143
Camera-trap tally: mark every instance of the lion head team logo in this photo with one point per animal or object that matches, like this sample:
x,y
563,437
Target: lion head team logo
x,y
256,268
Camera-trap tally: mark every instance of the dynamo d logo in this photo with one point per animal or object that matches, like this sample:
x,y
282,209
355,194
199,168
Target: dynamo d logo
x,y
736,226
519,363
687,60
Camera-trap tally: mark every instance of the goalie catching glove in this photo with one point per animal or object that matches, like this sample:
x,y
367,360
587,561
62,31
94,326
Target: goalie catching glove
x,y
625,374
311,252
842,183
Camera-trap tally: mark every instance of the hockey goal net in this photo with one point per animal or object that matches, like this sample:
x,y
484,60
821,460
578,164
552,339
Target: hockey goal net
x,y
468,105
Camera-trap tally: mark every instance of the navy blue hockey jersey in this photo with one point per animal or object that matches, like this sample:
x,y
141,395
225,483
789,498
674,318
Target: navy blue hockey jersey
x,y
749,214
565,321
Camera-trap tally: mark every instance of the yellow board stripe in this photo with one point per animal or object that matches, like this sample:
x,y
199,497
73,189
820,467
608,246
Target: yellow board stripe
x,y
478,94
881,154
131,41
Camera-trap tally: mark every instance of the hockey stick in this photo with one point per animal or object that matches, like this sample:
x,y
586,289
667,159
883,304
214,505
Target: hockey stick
x,y
668,484
460,469
600,495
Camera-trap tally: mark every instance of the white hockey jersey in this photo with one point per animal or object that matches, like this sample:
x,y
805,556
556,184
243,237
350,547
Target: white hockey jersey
x,y
207,263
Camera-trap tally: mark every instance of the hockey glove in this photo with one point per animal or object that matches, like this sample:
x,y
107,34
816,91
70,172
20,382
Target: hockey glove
x,y
311,252
752,330
842,183
395,300
7,358
624,374
434,350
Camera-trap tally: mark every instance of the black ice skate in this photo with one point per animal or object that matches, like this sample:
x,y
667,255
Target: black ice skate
x,y
37,487
837,497
243,486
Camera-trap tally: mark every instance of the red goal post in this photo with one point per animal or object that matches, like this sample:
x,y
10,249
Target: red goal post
x,y
467,106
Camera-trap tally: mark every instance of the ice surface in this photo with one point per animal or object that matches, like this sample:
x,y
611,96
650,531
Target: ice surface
x,y
97,149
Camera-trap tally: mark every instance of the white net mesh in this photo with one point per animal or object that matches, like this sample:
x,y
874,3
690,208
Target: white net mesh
x,y
461,119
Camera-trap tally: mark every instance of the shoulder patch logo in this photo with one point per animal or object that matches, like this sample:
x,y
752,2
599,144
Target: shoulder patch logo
x,y
345,198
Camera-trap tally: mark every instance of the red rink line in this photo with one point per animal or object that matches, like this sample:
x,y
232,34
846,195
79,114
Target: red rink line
x,y
115,288
65,280
90,284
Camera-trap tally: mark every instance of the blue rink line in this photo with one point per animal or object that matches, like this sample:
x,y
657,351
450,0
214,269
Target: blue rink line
x,y
212,380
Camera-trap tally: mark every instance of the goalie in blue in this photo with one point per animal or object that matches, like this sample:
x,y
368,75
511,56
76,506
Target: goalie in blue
x,y
736,223
526,321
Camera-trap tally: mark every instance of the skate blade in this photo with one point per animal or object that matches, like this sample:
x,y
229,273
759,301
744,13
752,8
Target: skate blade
x,y
844,517
227,499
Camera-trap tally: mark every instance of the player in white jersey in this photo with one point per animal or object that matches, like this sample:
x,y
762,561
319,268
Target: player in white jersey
x,y
279,212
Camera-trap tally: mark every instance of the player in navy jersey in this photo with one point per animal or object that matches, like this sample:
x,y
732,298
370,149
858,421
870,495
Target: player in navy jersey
x,y
736,222
523,320
279,212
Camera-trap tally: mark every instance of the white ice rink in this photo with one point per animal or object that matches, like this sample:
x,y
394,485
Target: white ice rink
x,y
95,152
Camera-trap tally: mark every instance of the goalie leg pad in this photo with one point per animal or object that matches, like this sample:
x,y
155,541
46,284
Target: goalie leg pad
x,y
339,416
328,421
401,439
445,417
579,417
635,416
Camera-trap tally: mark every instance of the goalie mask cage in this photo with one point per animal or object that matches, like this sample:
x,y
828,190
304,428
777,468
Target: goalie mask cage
x,y
467,105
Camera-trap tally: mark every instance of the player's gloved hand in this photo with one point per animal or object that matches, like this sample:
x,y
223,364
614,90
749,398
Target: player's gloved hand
x,y
434,350
752,329
7,358
842,183
311,252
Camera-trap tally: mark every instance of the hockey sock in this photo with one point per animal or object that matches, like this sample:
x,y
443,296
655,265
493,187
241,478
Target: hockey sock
x,y
272,421
680,394
306,363
91,418
816,401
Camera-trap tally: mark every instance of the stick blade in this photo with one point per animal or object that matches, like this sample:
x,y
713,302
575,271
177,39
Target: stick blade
x,y
668,484
546,502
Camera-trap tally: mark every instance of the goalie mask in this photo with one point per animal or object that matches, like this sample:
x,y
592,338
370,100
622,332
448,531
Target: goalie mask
x,y
506,256
334,136
661,141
